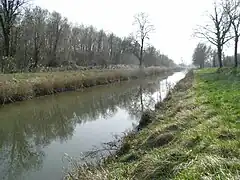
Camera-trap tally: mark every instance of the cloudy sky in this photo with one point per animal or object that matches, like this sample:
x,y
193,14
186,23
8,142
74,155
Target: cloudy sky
x,y
174,20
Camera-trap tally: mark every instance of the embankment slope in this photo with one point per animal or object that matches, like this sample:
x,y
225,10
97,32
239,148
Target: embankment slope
x,y
193,135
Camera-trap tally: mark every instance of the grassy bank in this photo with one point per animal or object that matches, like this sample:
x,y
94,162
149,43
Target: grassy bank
x,y
22,86
195,134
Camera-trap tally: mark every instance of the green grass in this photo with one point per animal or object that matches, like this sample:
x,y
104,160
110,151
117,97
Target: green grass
x,y
195,135
22,86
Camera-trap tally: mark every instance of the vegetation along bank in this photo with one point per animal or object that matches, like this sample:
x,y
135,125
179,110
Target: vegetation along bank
x,y
22,86
194,134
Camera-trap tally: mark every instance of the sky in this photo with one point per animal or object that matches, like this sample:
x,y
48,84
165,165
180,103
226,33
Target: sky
x,y
174,20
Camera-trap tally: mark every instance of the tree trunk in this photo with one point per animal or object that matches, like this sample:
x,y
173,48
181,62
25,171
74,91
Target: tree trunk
x,y
6,50
36,58
141,99
6,45
220,57
2,64
141,53
36,51
236,51
6,34
26,61
54,55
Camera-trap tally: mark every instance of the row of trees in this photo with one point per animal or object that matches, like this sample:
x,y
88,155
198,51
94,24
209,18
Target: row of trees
x,y
205,56
224,26
33,36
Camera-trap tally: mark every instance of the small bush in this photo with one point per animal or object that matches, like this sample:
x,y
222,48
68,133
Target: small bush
x,y
158,139
146,118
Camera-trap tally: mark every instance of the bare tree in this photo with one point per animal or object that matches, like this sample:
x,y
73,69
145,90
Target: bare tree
x,y
100,36
111,39
38,19
144,29
56,27
38,38
232,8
9,10
217,32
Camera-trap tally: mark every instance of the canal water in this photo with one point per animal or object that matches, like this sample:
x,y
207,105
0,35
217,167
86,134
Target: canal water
x,y
35,134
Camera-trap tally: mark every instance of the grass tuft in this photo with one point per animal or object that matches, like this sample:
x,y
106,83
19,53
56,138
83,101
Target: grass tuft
x,y
146,118
157,140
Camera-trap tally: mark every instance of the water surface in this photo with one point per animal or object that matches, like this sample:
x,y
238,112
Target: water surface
x,y
35,134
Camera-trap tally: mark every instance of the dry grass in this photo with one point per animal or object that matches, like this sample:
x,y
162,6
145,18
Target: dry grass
x,y
22,86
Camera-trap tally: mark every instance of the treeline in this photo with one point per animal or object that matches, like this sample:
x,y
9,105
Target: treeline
x,y
224,27
205,56
33,37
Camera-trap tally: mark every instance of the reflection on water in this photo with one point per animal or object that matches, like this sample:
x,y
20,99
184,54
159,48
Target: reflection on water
x,y
34,135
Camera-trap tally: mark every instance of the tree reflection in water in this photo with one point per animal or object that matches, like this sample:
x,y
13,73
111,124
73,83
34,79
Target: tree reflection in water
x,y
25,130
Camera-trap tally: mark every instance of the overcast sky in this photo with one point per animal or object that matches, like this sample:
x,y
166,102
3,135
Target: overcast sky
x,y
174,20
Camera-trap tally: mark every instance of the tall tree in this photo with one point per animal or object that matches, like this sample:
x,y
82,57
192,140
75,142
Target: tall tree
x,y
39,18
141,20
217,32
9,10
56,26
232,8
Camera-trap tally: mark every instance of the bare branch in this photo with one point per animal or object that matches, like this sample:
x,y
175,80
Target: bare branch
x,y
217,32
144,29
232,9
206,33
